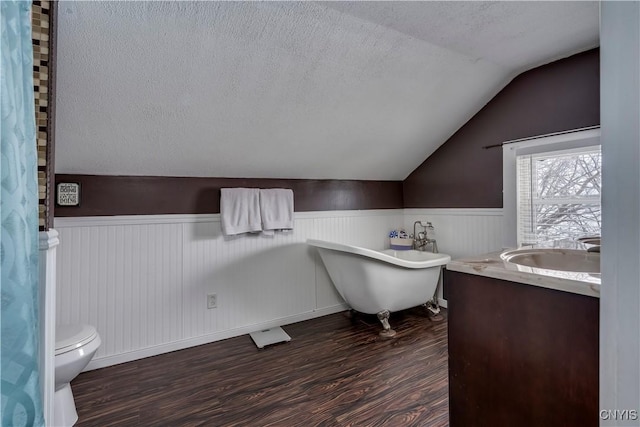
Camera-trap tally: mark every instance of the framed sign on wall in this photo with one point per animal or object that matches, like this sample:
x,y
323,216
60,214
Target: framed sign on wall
x,y
68,194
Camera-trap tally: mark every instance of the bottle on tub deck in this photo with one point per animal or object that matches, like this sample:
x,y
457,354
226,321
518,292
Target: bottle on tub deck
x,y
399,240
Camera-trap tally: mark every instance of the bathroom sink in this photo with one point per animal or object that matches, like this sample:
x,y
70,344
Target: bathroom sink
x,y
590,240
569,260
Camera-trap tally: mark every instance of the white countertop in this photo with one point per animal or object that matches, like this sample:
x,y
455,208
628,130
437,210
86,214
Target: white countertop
x,y
491,265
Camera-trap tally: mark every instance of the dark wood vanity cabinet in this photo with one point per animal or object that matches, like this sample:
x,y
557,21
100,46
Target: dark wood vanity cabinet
x,y
520,355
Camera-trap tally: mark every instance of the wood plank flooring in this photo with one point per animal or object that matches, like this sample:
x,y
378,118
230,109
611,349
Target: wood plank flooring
x,y
336,371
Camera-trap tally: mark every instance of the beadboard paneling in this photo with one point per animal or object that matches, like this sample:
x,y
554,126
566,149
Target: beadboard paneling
x,y
255,278
143,280
125,280
461,232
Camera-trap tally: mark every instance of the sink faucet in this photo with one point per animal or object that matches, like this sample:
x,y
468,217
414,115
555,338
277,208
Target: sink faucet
x,y
421,239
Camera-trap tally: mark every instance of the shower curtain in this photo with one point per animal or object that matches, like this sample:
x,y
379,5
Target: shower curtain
x,y
20,386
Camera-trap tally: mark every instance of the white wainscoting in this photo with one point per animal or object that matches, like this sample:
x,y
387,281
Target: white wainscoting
x,y
461,232
142,281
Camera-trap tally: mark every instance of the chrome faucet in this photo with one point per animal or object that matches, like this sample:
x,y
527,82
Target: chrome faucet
x,y
421,239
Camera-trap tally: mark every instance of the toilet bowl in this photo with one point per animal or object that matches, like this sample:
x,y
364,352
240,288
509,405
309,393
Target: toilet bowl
x,y
75,346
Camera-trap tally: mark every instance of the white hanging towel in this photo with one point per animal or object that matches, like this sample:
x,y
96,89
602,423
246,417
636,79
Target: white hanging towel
x,y
276,209
240,210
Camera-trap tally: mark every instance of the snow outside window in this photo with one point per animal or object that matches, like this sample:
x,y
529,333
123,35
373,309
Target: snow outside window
x,y
558,195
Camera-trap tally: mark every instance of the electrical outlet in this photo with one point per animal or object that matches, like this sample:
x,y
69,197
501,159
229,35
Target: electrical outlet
x,y
212,301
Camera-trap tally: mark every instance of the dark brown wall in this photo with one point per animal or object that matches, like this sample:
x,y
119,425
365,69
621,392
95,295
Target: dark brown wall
x,y
558,96
147,195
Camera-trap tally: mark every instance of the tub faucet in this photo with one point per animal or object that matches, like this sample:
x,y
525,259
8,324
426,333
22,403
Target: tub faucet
x,y
421,239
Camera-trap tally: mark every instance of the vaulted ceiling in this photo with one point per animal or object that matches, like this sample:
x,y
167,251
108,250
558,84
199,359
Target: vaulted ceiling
x,y
340,90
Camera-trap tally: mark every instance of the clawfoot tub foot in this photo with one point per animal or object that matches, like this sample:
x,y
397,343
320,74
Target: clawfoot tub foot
x,y
433,309
387,332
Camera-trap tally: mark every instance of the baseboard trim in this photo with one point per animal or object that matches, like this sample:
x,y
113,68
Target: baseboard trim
x,y
103,362
442,302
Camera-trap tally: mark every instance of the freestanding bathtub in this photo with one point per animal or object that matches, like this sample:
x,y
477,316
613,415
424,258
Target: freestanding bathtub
x,y
380,282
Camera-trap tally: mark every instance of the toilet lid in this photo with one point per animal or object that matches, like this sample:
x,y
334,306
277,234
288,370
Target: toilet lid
x,y
70,337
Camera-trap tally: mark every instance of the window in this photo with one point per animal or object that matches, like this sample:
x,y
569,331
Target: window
x,y
558,195
551,187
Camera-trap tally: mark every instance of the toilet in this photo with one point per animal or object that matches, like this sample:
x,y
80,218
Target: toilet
x,y
75,346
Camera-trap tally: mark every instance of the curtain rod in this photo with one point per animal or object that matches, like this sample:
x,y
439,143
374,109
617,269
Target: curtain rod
x,y
531,138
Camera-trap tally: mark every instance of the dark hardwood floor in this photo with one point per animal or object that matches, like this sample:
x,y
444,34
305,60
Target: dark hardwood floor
x,y
336,371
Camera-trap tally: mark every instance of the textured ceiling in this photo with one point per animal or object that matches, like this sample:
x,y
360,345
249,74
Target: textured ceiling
x,y
347,90
517,35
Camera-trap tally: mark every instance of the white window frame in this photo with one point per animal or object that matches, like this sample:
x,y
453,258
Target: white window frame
x,y
580,138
